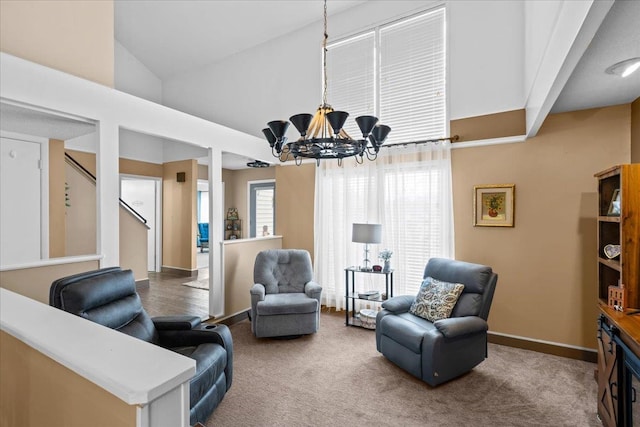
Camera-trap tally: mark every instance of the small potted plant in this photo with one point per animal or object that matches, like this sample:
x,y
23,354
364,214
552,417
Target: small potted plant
x,y
385,255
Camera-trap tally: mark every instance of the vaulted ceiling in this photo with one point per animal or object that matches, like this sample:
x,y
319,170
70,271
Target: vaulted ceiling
x,y
172,37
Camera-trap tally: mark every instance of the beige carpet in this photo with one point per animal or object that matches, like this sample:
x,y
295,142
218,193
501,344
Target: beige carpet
x,y
337,378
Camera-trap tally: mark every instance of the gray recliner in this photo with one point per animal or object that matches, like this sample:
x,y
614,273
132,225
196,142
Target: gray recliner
x,y
445,349
285,301
108,296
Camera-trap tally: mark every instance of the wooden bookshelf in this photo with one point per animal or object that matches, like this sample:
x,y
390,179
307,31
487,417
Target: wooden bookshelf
x,y
619,227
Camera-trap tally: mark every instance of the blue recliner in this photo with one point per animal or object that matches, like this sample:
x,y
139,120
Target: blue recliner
x,y
445,349
108,297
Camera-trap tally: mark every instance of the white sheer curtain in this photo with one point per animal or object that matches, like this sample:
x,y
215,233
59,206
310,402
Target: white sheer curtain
x,y
407,190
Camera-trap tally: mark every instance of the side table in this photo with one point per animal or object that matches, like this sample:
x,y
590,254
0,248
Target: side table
x,y
351,317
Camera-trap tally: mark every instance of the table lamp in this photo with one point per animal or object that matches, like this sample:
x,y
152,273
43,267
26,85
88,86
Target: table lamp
x,y
367,234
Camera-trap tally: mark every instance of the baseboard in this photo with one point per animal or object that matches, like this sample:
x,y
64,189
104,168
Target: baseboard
x,y
142,283
180,272
234,318
544,347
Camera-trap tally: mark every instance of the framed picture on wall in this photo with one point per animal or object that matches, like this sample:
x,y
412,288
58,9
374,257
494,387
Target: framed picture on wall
x,y
493,205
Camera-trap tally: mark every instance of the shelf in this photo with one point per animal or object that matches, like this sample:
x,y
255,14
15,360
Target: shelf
x,y
357,270
611,263
609,219
355,296
623,183
355,321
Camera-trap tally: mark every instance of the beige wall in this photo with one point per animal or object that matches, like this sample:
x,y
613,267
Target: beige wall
x,y
35,282
295,200
37,391
81,214
133,244
57,220
547,262
76,37
136,167
179,227
635,131
497,125
236,193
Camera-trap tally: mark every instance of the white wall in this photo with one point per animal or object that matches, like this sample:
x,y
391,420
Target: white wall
x,y
486,57
132,76
541,18
282,77
26,83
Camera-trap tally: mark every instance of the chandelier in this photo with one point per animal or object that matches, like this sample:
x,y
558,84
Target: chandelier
x,y
322,135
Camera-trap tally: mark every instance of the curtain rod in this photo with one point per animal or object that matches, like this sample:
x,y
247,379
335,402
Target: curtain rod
x,y
425,141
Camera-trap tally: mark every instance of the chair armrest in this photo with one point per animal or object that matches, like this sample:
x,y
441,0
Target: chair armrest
x,y
176,323
202,334
399,304
455,327
313,290
257,291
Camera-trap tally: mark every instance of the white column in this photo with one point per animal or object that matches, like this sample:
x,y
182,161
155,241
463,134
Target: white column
x,y
216,207
107,193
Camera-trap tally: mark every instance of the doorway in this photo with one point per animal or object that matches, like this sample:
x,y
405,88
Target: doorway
x,y
23,206
144,195
202,215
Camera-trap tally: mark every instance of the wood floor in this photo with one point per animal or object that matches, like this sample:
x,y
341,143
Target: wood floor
x,y
166,295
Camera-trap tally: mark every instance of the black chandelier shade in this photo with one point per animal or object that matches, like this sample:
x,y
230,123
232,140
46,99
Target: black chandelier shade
x,y
319,141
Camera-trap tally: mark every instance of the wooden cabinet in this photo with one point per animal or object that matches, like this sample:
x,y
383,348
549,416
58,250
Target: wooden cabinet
x,y
609,374
619,224
618,367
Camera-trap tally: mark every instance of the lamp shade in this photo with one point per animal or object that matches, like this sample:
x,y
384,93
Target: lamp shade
x,y
367,233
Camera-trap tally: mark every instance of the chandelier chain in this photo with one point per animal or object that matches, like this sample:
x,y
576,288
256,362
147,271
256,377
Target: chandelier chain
x,y
324,56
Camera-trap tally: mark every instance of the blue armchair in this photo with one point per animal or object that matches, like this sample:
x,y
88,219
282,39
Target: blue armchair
x,y
203,235
439,351
285,301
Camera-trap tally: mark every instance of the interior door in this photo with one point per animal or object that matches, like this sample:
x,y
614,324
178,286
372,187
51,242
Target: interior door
x,y
20,210
141,195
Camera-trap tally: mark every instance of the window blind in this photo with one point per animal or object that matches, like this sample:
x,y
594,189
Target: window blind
x,y
396,72
350,78
412,78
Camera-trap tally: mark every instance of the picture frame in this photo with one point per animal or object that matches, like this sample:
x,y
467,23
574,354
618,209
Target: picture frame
x,y
494,205
232,213
614,205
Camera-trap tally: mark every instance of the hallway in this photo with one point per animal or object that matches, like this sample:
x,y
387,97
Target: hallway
x,y
166,295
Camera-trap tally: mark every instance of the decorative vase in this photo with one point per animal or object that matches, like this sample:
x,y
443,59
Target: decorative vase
x,y
493,213
387,266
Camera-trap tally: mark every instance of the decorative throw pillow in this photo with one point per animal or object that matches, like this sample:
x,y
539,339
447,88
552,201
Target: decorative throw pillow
x,y
436,299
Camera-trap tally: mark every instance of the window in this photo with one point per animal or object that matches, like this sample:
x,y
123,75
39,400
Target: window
x,y
203,206
262,218
395,72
